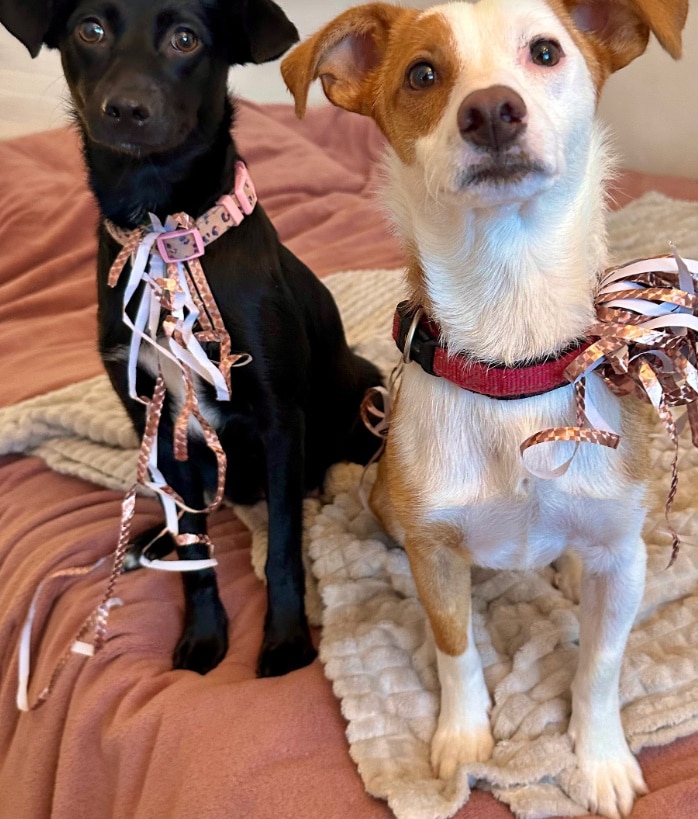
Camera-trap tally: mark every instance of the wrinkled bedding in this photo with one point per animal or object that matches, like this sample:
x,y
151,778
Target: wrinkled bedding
x,y
122,735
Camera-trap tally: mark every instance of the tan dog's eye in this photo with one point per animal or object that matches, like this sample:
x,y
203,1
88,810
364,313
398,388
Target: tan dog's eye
x,y
546,53
184,40
421,76
91,31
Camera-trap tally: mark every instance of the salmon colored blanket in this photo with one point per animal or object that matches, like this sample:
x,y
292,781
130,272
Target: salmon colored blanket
x,y
123,735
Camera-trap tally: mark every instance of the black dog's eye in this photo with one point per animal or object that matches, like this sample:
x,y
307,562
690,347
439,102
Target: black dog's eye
x,y
91,31
184,40
421,76
546,53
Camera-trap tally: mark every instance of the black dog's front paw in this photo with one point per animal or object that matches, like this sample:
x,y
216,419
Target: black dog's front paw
x,y
204,642
279,655
155,543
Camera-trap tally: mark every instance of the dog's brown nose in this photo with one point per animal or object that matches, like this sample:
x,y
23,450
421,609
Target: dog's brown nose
x,y
492,117
126,111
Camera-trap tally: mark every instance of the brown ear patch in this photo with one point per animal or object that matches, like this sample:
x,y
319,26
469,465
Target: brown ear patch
x,y
345,71
344,54
618,32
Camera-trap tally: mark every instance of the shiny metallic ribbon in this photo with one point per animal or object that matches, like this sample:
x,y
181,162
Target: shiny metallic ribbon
x,y
644,342
175,315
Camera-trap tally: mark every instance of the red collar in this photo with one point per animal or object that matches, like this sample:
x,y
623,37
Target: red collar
x,y
493,380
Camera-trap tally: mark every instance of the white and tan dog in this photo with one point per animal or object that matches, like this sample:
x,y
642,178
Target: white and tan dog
x,y
495,178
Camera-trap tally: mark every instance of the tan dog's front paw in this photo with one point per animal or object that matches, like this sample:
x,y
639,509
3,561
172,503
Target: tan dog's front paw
x,y
451,748
614,784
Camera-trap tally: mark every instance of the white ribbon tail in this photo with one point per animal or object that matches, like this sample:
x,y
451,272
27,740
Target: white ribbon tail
x,y
178,565
24,653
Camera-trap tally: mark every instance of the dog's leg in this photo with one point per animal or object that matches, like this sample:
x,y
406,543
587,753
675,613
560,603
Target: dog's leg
x,y
287,644
155,543
382,507
442,573
204,639
568,575
611,595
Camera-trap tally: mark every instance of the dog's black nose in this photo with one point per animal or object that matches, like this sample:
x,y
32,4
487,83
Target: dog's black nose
x,y
126,111
492,117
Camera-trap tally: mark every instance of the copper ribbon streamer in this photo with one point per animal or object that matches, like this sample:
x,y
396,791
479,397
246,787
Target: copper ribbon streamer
x,y
149,252
644,343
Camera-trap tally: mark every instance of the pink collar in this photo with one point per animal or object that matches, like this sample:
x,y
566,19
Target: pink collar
x,y
190,243
413,330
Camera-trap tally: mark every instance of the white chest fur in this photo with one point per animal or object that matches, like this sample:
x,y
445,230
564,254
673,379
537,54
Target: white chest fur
x,y
466,466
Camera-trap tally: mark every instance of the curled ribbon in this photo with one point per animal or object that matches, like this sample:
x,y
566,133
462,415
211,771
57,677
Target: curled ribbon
x,y
175,315
644,342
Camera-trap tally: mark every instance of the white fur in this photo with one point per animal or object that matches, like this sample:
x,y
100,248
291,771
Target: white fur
x,y
152,362
509,268
463,733
509,272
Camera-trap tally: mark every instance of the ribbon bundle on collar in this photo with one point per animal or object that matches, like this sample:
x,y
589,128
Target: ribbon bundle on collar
x,y
175,316
644,342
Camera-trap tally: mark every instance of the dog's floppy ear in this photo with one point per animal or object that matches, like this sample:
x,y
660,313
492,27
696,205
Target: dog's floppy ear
x,y
622,27
267,30
27,20
344,54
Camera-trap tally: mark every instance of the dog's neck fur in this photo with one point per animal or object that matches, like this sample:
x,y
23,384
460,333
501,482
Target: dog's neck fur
x,y
509,283
127,188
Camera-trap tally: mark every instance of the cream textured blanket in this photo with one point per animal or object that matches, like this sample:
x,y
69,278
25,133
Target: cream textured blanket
x,y
375,643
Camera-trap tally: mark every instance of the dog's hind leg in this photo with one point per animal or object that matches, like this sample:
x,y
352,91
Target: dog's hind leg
x,y
611,594
442,572
287,644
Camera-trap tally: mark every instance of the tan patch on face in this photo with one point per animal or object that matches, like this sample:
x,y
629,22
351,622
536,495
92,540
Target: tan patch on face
x,y
403,113
362,59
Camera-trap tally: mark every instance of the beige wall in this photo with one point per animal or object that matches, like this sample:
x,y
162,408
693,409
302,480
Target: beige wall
x,y
652,106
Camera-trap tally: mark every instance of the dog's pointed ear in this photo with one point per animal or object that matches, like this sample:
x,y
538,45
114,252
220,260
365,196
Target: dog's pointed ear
x,y
344,55
622,27
268,31
27,20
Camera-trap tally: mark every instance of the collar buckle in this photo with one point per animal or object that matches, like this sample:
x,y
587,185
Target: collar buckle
x,y
421,345
178,241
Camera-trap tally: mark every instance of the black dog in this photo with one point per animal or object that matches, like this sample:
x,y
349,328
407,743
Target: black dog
x,y
148,83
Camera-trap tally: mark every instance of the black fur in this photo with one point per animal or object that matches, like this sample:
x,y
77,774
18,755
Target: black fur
x,y
156,127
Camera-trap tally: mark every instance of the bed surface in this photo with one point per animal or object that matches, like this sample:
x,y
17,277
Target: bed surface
x,y
122,735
